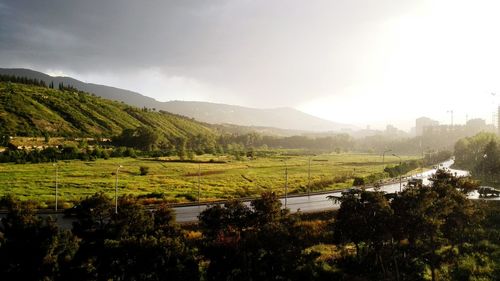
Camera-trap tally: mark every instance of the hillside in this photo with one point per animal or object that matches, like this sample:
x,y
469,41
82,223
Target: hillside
x,y
284,118
214,113
27,110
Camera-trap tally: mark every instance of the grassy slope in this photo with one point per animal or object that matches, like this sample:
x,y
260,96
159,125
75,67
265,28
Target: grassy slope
x,y
30,111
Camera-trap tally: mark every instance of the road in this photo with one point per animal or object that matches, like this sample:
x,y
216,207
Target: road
x,y
316,202
303,203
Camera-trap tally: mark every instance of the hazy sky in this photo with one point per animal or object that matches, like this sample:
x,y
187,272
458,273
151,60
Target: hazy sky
x,y
369,62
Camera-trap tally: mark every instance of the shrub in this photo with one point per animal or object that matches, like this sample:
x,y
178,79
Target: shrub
x,y
144,170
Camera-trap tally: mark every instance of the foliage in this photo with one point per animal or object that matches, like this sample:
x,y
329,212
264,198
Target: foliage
x,y
402,168
261,242
30,110
481,155
431,232
358,181
31,247
133,244
143,170
423,229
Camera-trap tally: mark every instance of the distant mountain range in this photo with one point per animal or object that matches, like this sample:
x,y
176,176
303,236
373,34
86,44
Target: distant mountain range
x,y
214,113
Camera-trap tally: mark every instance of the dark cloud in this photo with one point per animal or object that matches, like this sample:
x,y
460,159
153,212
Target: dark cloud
x,y
282,52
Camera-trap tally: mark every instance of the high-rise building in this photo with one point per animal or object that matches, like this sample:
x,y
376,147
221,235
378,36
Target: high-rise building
x,y
423,122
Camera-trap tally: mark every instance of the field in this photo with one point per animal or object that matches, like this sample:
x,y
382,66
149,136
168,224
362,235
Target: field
x,y
178,181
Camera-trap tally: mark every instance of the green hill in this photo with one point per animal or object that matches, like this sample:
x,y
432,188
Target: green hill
x,y
213,113
30,110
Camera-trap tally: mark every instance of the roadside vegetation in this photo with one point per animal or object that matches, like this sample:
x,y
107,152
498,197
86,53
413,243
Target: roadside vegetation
x,y
425,233
480,154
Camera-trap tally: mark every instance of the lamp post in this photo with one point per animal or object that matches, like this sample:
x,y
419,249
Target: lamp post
x,y
56,179
286,183
309,178
116,189
383,155
399,171
199,183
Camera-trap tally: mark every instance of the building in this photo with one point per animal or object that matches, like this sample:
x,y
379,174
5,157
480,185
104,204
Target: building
x,y
474,126
423,122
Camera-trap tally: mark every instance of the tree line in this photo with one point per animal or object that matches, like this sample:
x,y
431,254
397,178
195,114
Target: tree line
x,y
35,82
432,232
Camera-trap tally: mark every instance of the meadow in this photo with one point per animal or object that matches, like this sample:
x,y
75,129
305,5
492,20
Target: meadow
x,y
221,177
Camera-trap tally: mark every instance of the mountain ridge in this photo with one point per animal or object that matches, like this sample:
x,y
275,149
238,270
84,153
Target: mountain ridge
x,y
214,113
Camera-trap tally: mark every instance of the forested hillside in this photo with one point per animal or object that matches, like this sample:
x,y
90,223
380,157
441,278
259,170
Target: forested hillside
x,y
36,110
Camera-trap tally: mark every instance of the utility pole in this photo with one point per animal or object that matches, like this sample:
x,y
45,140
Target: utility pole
x,y
56,179
116,189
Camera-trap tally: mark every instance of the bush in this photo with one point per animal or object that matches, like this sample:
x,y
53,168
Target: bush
x,y
358,181
144,170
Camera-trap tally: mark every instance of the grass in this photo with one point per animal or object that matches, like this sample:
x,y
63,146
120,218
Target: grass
x,y
178,181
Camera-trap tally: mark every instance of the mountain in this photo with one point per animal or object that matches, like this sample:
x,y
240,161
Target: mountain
x,y
284,118
215,113
107,92
29,110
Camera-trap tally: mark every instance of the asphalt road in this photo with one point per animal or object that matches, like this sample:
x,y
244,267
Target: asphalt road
x,y
316,202
313,203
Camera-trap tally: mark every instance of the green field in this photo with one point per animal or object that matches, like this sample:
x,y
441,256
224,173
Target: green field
x,y
178,181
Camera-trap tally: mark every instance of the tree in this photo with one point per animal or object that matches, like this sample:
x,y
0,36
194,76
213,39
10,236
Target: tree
x,y
142,137
435,220
267,208
133,244
93,214
489,164
180,147
364,217
32,248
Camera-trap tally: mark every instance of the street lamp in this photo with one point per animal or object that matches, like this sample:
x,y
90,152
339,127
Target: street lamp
x,y
399,171
286,183
116,189
309,178
199,183
57,168
383,155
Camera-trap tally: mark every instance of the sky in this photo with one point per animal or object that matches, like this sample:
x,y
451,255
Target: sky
x,y
362,62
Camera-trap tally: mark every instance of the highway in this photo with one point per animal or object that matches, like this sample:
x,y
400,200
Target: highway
x,y
316,202
313,203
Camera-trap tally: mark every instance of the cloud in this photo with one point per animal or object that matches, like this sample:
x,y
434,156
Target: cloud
x,y
324,56
277,50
